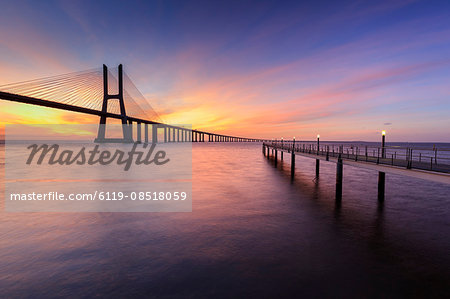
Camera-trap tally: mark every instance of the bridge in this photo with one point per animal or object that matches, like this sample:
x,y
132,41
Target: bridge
x,y
100,93
423,163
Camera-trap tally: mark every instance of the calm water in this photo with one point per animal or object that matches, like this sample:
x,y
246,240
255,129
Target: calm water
x,y
252,233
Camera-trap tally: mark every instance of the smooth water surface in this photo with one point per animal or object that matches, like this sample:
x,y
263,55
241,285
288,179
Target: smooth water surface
x,y
252,233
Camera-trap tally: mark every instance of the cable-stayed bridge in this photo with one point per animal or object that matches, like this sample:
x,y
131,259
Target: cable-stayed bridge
x,y
102,93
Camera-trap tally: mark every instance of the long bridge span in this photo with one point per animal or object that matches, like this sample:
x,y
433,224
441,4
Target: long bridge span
x,y
101,93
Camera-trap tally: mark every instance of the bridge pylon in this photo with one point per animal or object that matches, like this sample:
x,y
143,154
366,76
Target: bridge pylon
x,y
126,126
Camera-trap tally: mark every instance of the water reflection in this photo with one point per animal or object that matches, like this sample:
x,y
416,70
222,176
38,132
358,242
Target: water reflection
x,y
253,232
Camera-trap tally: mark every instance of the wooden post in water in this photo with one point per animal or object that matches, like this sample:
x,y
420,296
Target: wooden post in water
x,y
339,175
317,168
381,185
276,157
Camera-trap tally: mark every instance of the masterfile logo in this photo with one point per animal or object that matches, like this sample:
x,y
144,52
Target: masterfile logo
x,y
60,168
52,154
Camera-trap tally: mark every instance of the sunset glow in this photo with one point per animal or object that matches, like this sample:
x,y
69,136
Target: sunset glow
x,y
262,69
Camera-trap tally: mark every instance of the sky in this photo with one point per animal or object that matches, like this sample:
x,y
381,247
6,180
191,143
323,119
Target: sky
x,y
266,69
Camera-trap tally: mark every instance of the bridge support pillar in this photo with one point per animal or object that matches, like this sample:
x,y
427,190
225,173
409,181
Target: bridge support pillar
x,y
130,128
339,175
146,133
154,133
139,137
381,185
126,130
165,134
281,152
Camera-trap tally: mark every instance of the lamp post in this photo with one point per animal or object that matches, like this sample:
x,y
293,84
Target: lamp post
x,y
318,143
382,175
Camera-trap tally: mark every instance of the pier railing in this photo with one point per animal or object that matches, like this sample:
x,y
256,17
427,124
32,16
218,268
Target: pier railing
x,y
423,158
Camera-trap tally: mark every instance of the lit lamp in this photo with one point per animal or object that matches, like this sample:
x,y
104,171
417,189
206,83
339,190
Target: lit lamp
x,y
318,143
383,140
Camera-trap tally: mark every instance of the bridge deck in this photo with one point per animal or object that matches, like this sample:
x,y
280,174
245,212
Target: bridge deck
x,y
430,171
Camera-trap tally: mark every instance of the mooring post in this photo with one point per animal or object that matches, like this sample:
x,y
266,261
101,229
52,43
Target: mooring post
x,y
339,175
381,185
317,168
